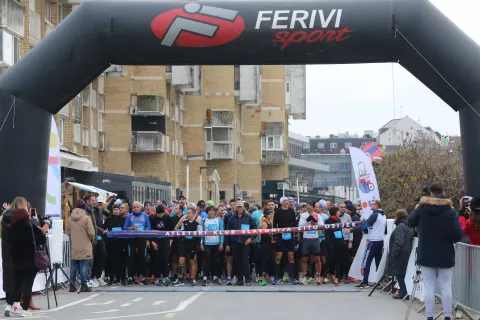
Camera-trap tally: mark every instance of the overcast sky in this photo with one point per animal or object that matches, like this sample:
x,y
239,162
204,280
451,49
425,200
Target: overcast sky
x,y
368,104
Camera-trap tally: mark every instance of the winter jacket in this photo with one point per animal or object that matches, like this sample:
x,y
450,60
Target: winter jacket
x,y
245,222
141,219
90,211
82,234
438,229
400,248
99,219
472,231
7,267
22,247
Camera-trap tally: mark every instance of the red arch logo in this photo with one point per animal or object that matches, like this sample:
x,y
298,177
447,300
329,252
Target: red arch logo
x,y
197,25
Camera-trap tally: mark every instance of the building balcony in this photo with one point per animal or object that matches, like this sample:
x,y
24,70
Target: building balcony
x,y
35,27
49,27
273,158
77,109
147,141
12,17
218,150
148,105
219,118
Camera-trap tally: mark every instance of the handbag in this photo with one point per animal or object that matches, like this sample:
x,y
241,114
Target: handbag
x,y
42,261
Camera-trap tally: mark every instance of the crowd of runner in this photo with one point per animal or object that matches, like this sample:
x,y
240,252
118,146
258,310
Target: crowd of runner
x,y
311,257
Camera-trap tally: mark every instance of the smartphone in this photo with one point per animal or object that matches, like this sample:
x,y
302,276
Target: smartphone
x,y
34,212
466,202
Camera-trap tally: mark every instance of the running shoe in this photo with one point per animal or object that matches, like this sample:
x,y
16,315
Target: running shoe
x,y
8,310
100,282
262,281
311,280
17,309
293,282
346,281
130,282
143,282
152,279
335,281
318,281
229,281
275,282
303,281
26,314
286,278
362,286
193,283
110,282
179,282
92,284
166,282
217,282
159,282
204,281
326,280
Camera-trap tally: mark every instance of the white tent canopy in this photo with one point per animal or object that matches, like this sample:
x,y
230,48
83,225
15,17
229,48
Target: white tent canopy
x,y
92,189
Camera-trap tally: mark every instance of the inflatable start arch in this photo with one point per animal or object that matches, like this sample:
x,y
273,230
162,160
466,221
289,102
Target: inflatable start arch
x,y
103,32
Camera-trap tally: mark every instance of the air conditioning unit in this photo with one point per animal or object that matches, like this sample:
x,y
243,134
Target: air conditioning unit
x,y
133,148
282,185
246,194
133,110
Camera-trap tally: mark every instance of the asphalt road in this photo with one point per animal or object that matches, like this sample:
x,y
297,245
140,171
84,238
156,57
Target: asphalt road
x,y
201,303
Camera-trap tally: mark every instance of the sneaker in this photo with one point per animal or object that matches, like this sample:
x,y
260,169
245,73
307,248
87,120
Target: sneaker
x,y
166,282
26,314
318,281
262,281
248,283
143,282
159,282
152,280
100,282
275,282
110,282
335,281
217,282
138,280
362,286
17,309
130,282
204,281
92,284
286,278
124,283
293,282
193,283
179,282
229,281
234,281
85,288
72,289
8,309
311,280
303,281
326,280
346,281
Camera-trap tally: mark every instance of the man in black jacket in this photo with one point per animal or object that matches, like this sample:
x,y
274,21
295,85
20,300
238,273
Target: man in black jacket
x,y
439,229
239,246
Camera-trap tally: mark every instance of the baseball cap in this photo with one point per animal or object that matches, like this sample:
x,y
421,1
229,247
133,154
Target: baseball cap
x,y
182,197
201,203
210,202
267,212
240,204
283,199
100,200
160,209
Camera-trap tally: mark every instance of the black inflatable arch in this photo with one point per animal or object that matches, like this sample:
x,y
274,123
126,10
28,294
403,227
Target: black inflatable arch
x,y
99,33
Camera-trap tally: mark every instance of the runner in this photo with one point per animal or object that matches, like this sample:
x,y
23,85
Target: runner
x,y
211,246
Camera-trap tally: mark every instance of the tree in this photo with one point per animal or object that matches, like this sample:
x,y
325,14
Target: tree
x,y
402,174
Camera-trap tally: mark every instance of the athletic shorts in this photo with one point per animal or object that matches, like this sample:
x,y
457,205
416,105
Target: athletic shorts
x,y
285,245
188,249
310,247
174,247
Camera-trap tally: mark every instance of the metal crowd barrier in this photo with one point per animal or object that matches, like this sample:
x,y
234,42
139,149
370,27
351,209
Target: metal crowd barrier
x,y
466,280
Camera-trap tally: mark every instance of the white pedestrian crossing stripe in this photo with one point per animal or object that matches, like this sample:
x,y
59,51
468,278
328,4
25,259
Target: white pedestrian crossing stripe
x,y
100,303
156,303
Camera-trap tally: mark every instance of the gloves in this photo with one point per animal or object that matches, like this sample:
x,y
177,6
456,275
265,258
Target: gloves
x,y
311,218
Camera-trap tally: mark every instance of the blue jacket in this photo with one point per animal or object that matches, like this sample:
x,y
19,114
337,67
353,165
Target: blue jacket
x,y
438,229
245,222
140,219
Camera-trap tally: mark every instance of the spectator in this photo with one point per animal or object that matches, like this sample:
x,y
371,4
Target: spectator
x,y
24,239
439,229
400,247
471,228
82,234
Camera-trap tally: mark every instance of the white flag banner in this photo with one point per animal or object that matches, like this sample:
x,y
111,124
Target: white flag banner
x,y
366,180
54,183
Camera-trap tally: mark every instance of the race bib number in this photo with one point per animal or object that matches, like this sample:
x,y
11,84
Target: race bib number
x,y
245,227
311,232
117,229
287,236
212,227
140,227
99,237
188,237
338,234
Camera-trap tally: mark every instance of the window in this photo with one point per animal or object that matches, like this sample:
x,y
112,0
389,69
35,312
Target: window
x,y
272,143
93,100
176,113
77,133
181,117
181,149
101,141
236,77
86,96
173,146
218,134
101,103
100,122
60,12
10,51
172,112
348,144
48,11
85,136
321,145
92,115
333,145
306,146
61,122
31,5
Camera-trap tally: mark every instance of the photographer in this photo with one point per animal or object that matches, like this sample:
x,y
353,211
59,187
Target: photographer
x,y
471,227
439,229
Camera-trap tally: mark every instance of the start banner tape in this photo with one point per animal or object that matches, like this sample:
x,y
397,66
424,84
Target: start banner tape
x,y
177,234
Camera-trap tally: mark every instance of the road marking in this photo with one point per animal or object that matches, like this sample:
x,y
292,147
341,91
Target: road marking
x,y
126,305
138,299
100,303
156,303
181,306
68,304
107,311
170,315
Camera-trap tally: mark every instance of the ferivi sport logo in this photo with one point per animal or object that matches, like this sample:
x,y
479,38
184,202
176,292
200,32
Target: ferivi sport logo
x,y
197,25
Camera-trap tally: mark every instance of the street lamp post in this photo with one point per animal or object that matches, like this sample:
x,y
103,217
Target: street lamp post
x,y
298,188
201,182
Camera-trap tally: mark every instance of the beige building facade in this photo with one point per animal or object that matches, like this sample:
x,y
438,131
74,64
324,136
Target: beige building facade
x,y
210,132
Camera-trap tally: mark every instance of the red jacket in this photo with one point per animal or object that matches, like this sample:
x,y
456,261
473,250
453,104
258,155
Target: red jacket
x,y
472,231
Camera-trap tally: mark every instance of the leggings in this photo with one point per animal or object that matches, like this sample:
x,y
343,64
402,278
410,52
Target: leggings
x,y
116,259
444,276
267,258
161,258
374,251
23,285
136,257
210,261
99,259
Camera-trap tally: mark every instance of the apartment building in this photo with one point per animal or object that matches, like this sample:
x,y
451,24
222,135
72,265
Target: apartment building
x,y
155,132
